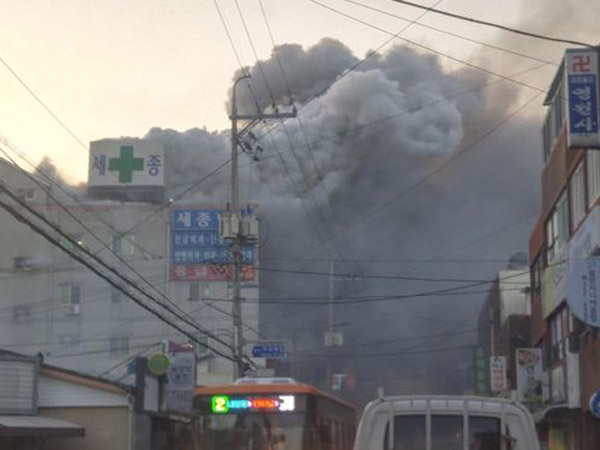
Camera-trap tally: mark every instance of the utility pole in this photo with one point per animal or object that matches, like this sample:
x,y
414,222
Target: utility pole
x,y
236,231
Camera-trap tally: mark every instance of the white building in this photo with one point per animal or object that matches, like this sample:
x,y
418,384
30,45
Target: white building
x,y
49,303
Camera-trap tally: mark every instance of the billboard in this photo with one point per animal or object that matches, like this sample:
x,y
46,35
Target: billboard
x,y
116,163
529,375
581,81
199,254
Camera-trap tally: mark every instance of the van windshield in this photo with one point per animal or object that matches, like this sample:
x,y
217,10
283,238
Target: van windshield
x,y
447,433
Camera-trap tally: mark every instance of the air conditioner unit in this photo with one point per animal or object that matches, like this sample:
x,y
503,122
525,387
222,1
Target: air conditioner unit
x,y
74,310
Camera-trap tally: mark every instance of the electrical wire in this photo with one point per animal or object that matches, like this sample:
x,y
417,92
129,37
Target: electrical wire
x,y
181,314
389,277
450,33
429,49
494,25
19,216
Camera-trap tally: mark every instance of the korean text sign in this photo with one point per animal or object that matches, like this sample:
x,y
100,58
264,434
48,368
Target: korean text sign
x,y
581,81
197,250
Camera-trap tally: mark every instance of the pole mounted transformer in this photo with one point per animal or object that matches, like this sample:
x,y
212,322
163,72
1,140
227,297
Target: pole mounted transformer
x,y
234,227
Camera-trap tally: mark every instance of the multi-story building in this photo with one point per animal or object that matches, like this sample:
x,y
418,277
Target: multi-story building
x,y
53,305
568,229
504,320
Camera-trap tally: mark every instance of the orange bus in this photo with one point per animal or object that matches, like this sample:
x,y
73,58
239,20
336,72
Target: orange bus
x,y
271,414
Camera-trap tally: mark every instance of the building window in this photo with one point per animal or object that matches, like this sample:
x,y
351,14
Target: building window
x,y
560,325
557,230
199,291
118,345
123,244
536,274
26,194
23,263
21,313
70,297
577,192
554,120
593,176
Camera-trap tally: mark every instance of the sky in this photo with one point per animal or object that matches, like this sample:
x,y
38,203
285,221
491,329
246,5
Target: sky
x,y
114,68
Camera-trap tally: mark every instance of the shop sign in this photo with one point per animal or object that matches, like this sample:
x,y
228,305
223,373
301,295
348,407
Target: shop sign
x,y
498,373
481,371
529,375
581,81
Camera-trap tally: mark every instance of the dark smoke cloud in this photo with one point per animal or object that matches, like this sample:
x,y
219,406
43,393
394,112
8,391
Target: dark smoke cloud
x,y
372,134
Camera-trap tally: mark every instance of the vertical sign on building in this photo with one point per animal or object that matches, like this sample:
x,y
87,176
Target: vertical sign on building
x,y
481,371
581,81
181,379
529,375
498,374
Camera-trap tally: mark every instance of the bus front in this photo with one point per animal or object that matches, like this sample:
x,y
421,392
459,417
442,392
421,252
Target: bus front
x,y
252,421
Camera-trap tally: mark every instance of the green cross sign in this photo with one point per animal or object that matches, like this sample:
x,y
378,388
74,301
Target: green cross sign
x,y
126,164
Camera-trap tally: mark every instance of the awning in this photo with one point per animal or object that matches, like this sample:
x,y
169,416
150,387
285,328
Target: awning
x,y
42,426
546,413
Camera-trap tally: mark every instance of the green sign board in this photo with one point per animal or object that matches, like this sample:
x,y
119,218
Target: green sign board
x,y
481,371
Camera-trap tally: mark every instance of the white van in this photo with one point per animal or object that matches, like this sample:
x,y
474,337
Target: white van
x,y
445,423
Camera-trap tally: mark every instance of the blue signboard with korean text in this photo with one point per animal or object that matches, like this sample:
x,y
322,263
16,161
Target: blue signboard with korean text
x,y
581,73
195,240
195,220
274,350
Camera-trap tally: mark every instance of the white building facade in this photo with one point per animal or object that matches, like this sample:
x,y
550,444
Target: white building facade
x,y
51,304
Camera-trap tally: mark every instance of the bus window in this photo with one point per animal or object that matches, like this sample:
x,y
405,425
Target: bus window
x,y
446,433
409,433
484,433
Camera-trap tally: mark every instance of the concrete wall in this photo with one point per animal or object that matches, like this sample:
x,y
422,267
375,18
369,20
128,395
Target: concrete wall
x,y
105,428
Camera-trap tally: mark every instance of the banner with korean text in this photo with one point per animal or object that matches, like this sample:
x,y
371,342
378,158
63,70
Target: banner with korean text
x,y
198,253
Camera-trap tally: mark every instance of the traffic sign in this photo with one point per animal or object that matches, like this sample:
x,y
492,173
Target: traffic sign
x,y
274,350
595,404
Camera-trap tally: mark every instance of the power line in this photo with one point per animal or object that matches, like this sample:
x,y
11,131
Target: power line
x,y
429,49
387,277
450,33
411,110
380,355
189,320
357,64
78,257
494,25
44,105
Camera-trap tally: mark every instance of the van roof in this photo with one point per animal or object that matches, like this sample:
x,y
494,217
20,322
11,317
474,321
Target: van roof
x,y
447,403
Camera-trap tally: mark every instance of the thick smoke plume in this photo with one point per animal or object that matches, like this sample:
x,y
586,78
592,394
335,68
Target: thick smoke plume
x,y
339,183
